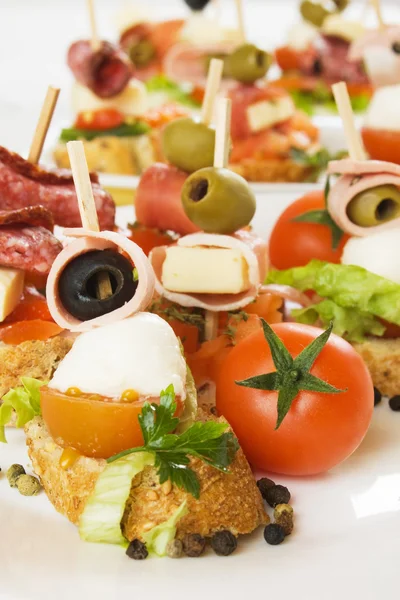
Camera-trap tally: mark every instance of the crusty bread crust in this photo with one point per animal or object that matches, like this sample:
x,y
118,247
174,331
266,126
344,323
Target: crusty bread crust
x,y
382,358
228,501
272,171
31,359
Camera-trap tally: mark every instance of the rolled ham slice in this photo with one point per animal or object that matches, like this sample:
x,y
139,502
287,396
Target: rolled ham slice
x,y
356,177
87,241
158,200
185,62
106,71
254,250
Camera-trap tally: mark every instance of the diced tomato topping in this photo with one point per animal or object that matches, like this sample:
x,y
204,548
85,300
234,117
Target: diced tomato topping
x,y
161,115
148,238
23,331
104,118
32,306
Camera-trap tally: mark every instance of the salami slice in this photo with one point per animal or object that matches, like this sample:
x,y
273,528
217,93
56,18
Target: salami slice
x,y
158,200
105,71
31,249
31,215
23,184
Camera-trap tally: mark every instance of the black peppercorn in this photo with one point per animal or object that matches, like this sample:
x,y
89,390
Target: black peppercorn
x,y
264,484
377,396
193,544
137,550
277,494
394,403
274,534
223,543
396,47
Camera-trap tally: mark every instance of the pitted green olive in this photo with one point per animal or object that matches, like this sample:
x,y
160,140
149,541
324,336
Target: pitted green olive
x,y
218,200
375,206
313,13
142,53
77,285
188,145
247,64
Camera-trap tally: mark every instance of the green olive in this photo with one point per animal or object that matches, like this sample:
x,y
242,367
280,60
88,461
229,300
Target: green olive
x,y
218,200
375,206
247,64
142,53
313,13
188,145
341,4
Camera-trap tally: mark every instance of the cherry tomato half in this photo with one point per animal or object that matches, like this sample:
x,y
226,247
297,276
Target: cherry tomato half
x,y
104,118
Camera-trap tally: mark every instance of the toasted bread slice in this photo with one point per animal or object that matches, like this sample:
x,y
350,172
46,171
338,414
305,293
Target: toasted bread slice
x,y
36,358
283,170
382,358
227,501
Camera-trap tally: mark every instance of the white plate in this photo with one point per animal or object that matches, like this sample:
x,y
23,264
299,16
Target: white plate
x,y
346,542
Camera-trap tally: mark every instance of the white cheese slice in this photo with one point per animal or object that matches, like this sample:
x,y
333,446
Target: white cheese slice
x,y
11,288
383,111
131,101
264,114
338,26
379,253
301,35
205,271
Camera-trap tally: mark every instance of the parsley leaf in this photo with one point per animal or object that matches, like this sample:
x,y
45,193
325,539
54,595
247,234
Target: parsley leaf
x,y
207,441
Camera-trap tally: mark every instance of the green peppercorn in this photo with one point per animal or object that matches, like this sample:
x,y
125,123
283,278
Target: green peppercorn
x,y
223,543
283,515
277,494
28,485
274,534
174,548
193,544
137,550
13,473
264,484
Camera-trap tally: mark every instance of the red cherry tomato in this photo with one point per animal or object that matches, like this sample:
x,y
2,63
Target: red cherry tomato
x,y
294,244
320,430
105,118
381,144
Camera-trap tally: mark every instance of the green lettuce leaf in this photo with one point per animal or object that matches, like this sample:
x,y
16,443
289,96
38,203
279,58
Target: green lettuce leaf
x,y
25,401
125,130
159,537
347,322
160,84
348,287
101,518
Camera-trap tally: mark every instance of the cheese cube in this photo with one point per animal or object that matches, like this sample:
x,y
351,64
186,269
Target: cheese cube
x,y
264,114
205,270
11,288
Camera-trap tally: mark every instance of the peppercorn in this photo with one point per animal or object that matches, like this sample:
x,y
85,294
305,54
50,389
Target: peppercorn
x,y
283,515
277,494
223,543
394,403
174,548
274,534
137,550
28,485
264,484
13,473
193,544
377,396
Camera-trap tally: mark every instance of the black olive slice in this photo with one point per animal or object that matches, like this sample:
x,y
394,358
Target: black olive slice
x,y
197,4
77,285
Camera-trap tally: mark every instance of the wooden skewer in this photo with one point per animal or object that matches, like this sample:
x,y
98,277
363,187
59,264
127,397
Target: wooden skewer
x,y
87,206
93,27
240,19
353,138
212,87
378,10
43,124
221,154
222,133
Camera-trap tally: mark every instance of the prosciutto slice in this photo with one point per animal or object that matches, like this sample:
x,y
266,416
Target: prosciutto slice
x,y
86,241
187,63
254,250
106,71
356,177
